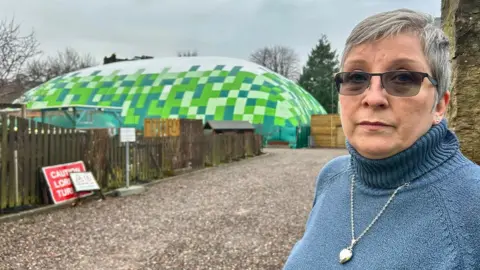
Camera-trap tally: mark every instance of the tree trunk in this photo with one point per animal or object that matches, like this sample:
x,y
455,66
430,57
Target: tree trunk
x,y
461,22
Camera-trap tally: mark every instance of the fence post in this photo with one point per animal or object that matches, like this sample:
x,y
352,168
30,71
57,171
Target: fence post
x,y
24,111
15,164
127,165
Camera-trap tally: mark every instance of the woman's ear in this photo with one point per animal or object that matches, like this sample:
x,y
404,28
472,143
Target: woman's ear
x,y
441,108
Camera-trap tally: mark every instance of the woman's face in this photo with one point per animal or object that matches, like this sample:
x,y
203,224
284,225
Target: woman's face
x,y
405,118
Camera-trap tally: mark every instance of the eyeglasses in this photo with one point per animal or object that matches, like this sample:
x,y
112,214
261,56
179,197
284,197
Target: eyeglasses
x,y
397,83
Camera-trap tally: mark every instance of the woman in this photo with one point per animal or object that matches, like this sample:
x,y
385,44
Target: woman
x,y
405,197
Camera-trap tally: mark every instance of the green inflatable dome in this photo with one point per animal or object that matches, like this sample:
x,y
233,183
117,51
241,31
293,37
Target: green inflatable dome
x,y
207,88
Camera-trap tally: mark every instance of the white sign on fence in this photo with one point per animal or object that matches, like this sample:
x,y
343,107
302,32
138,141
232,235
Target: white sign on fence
x,y
127,135
83,181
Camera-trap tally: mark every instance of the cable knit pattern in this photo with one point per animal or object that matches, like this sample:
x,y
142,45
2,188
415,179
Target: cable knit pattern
x,y
434,223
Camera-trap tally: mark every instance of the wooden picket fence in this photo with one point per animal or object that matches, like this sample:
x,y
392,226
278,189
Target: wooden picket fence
x,y
26,146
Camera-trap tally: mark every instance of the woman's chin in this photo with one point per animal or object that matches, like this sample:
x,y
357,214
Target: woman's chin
x,y
376,149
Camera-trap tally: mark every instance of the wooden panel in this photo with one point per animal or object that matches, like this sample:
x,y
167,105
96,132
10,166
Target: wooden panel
x,y
5,149
63,145
34,162
326,131
51,145
340,137
324,141
161,127
45,160
319,130
23,157
326,120
12,138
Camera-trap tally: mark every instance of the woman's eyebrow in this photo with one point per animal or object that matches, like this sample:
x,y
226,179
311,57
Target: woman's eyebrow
x,y
356,62
404,61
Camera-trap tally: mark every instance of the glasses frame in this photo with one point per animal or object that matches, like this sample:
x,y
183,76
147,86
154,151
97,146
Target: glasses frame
x,y
337,78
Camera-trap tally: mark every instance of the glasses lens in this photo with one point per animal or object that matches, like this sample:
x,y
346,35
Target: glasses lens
x,y
402,83
352,83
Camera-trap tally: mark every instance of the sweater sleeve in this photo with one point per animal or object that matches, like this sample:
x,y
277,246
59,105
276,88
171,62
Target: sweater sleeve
x,y
326,175
461,197
333,168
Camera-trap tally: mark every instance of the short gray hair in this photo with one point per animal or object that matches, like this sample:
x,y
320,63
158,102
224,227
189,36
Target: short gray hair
x,y
434,41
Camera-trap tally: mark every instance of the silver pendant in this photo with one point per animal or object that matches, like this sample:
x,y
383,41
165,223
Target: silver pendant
x,y
345,255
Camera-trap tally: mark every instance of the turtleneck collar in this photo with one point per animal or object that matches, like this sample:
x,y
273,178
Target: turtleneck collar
x,y
427,153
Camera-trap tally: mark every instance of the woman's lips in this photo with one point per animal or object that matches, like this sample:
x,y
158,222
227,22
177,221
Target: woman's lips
x,y
374,125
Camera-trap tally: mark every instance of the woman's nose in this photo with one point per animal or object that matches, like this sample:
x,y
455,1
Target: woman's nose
x,y
375,95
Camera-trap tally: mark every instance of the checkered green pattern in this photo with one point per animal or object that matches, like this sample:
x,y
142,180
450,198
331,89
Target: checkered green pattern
x,y
220,93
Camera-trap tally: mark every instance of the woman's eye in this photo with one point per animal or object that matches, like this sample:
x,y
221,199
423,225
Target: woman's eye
x,y
357,78
403,78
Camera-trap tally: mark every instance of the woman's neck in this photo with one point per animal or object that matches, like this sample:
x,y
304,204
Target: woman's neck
x,y
427,153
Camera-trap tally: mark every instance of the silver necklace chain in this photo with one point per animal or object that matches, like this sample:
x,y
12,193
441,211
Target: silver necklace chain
x,y
352,222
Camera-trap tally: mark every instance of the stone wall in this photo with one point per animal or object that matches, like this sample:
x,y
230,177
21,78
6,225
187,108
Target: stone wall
x,y
461,21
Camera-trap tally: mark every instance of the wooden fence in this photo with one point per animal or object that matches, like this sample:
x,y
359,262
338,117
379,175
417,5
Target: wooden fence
x,y
326,131
26,146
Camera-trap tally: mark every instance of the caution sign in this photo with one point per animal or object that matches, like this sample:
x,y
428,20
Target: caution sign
x,y
59,183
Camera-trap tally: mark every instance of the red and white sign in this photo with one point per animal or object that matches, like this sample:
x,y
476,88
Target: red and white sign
x,y
59,183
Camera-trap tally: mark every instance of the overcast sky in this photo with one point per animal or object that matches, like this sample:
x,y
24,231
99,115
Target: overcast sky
x,y
159,28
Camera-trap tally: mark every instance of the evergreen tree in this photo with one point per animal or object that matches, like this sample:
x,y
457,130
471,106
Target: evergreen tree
x,y
317,75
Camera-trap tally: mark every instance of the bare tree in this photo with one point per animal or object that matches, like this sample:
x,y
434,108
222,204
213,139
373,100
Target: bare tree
x,y
15,50
42,70
187,53
280,59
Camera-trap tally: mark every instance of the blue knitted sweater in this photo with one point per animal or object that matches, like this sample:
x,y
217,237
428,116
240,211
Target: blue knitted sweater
x,y
434,223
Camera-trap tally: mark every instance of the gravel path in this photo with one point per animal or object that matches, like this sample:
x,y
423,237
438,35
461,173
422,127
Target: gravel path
x,y
244,215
